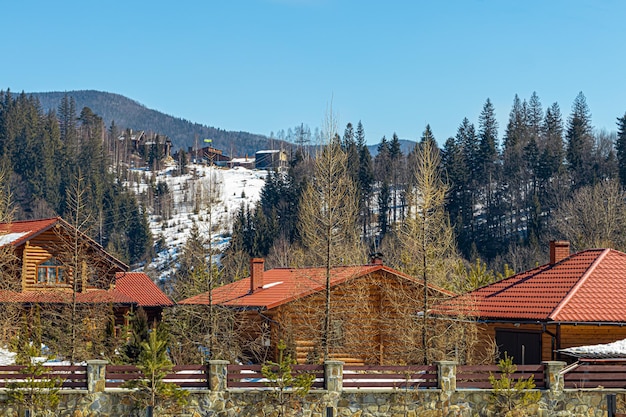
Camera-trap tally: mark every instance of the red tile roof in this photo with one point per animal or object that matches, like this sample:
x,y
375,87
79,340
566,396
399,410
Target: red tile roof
x,y
139,287
588,286
282,285
26,229
19,232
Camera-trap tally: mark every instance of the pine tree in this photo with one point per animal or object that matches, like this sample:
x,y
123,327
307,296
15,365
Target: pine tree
x,y
620,146
328,217
348,144
490,231
580,143
365,179
487,155
428,136
395,156
467,142
456,174
427,237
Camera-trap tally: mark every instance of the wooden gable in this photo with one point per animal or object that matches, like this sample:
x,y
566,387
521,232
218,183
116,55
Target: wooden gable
x,y
51,255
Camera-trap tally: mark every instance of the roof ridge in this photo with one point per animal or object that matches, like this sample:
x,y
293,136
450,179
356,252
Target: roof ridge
x,y
579,284
31,220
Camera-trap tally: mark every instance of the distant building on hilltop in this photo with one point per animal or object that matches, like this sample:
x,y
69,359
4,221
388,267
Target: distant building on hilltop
x,y
271,160
208,154
244,162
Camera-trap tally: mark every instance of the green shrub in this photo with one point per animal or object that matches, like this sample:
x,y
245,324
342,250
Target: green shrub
x,y
510,397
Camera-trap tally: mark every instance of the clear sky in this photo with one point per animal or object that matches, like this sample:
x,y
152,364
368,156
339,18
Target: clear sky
x,y
265,65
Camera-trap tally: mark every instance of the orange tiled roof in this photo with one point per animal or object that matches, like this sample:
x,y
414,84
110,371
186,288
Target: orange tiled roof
x,y
19,232
588,286
139,287
282,285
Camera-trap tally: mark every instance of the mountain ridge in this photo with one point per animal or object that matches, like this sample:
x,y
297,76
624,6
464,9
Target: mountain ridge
x,y
129,113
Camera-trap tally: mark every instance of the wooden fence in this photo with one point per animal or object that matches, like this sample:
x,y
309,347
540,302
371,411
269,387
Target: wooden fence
x,y
478,376
70,377
250,376
579,375
398,377
606,374
185,376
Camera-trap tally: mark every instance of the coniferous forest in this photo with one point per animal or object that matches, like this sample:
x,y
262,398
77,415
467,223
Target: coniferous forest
x,y
550,176
57,164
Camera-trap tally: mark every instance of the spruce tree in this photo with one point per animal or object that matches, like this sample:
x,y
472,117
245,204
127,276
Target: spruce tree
x,y
620,146
365,179
580,143
487,155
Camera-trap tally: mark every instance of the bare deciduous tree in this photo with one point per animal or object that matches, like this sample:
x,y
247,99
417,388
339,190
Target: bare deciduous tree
x,y
10,313
595,217
428,249
328,217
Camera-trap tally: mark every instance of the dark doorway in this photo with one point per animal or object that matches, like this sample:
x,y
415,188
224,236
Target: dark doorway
x,y
524,347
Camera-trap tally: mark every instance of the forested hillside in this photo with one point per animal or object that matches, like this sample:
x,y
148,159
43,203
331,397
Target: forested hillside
x,y
549,177
127,113
57,163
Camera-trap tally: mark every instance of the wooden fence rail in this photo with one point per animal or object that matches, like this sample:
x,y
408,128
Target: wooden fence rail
x,y
250,376
586,375
580,375
478,376
399,377
185,376
71,377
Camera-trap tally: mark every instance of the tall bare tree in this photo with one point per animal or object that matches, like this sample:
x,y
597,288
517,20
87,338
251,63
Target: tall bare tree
x,y
426,235
88,323
9,313
328,216
595,217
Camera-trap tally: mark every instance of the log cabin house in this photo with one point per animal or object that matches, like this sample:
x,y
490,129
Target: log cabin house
x,y
41,259
373,311
574,300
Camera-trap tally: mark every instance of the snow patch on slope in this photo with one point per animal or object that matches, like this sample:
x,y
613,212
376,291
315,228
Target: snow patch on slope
x,y
230,189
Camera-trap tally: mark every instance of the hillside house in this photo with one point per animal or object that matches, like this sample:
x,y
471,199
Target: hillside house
x,y
271,159
372,310
208,155
574,300
42,260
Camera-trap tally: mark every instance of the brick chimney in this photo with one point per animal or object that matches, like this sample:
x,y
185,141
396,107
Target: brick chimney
x,y
376,258
257,267
559,250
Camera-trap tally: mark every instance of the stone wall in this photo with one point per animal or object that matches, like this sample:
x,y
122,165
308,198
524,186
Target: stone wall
x,y
335,401
352,403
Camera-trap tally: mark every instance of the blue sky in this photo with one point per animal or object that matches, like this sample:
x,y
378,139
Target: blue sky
x,y
265,65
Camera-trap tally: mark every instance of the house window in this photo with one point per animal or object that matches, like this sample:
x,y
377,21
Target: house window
x,y
51,272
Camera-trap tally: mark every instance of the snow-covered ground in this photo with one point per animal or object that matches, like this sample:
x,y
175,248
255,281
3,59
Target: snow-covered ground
x,y
229,188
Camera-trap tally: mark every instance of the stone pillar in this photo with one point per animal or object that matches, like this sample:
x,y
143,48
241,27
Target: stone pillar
x,y
333,376
446,376
552,375
96,375
218,374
